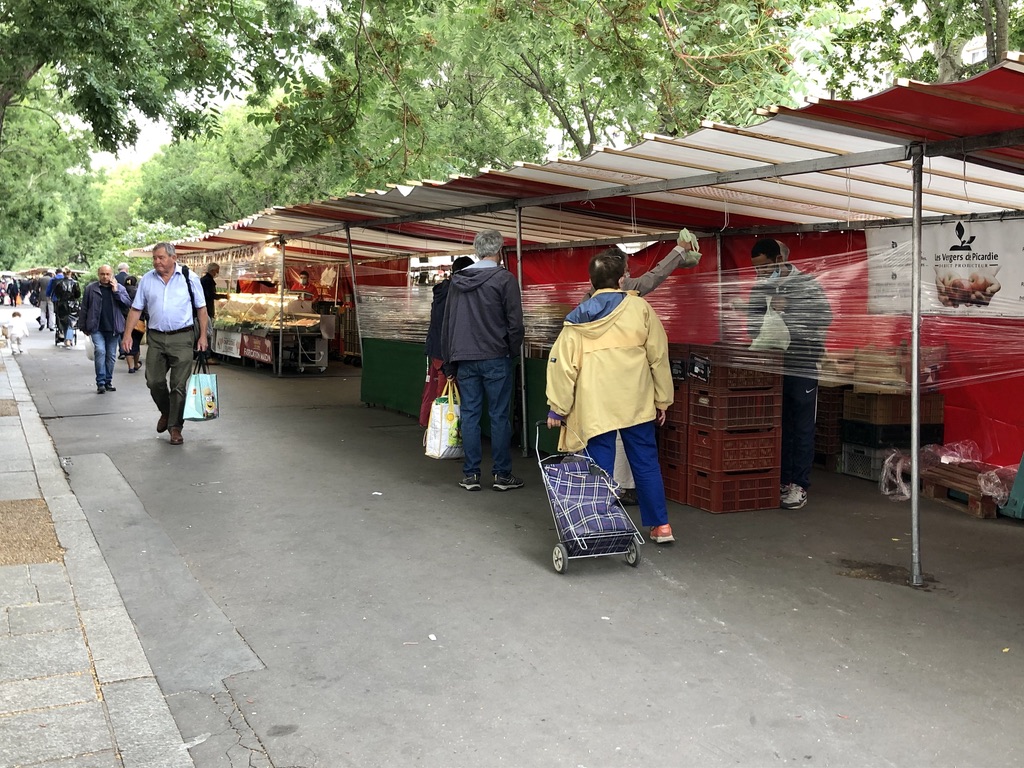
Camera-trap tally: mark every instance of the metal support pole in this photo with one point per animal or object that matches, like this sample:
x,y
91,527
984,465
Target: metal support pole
x,y
355,295
280,317
522,350
916,579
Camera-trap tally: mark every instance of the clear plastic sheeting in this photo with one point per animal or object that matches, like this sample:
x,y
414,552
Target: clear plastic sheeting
x,y
998,483
894,480
962,452
396,313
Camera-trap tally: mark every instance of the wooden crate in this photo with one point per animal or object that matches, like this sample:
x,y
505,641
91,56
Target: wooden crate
x,y
945,481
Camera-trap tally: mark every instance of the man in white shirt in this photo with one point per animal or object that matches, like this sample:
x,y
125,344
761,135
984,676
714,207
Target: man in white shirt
x,y
176,306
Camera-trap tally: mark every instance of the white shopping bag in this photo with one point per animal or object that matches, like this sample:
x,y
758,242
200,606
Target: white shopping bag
x,y
90,350
443,439
774,333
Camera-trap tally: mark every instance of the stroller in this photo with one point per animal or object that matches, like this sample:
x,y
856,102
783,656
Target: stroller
x,y
589,519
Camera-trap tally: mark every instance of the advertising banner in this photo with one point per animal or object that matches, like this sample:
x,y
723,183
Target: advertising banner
x,y
259,348
970,269
227,343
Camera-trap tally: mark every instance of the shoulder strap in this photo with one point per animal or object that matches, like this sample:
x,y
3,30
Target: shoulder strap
x,y
191,295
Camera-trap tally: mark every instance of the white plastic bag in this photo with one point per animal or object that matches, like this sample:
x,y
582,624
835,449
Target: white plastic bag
x,y
90,350
774,333
443,438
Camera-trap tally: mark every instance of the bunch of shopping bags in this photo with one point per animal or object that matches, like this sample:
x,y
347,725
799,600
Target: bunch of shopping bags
x,y
443,438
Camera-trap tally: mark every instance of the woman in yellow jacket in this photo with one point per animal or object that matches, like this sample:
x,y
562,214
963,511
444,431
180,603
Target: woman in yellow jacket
x,y
608,373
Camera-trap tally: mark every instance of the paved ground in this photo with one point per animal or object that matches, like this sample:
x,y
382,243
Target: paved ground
x,y
308,590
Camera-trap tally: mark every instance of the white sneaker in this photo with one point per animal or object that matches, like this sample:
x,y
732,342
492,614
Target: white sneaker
x,y
794,498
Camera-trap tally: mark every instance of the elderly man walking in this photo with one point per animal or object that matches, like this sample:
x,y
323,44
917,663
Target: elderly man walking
x,y
176,327
102,319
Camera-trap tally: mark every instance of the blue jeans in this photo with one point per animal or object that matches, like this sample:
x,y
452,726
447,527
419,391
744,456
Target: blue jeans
x,y
799,407
105,356
494,379
642,452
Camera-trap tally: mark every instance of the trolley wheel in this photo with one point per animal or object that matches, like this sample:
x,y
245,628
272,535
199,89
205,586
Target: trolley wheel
x,y
302,369
560,558
633,555
323,368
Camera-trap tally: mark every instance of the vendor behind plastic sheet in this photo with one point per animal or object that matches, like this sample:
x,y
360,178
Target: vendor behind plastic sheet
x,y
307,288
801,303
436,379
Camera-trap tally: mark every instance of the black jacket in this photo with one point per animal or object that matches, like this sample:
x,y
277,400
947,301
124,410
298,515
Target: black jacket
x,y
483,317
209,293
434,348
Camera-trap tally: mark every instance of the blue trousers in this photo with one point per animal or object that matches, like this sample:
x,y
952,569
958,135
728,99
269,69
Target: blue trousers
x,y
493,378
799,407
642,452
105,355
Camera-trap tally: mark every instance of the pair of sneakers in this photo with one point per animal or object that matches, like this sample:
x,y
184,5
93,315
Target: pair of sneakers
x,y
792,496
507,482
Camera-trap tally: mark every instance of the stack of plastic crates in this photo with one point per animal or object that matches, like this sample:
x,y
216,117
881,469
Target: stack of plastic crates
x,y
734,436
828,428
672,436
876,423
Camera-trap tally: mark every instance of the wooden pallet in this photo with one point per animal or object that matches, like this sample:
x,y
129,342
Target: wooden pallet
x,y
940,482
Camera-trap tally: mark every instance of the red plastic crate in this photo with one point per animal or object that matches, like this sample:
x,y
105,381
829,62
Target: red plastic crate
x,y
735,410
672,444
678,413
717,451
675,479
738,492
737,368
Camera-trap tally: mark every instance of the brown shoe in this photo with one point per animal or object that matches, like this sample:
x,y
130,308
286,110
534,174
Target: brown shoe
x,y
161,424
176,438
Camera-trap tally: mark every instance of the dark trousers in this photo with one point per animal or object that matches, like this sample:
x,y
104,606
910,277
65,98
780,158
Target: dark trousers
x,y
799,406
168,367
492,379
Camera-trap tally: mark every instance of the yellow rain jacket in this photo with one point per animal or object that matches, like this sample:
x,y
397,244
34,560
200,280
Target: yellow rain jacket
x,y
609,367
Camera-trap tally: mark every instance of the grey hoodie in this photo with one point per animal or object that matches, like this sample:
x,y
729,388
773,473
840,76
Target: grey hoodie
x,y
483,318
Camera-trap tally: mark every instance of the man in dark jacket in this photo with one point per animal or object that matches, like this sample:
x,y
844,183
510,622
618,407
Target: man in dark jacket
x,y
481,337
101,317
436,379
803,306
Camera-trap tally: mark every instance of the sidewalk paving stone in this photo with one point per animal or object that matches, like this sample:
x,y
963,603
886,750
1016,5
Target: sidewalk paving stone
x,y
43,654
147,735
43,617
116,650
46,692
51,734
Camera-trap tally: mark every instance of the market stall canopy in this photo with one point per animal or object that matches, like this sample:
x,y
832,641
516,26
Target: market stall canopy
x,y
832,163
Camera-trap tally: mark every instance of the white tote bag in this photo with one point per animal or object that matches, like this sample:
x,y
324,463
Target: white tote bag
x,y
443,439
